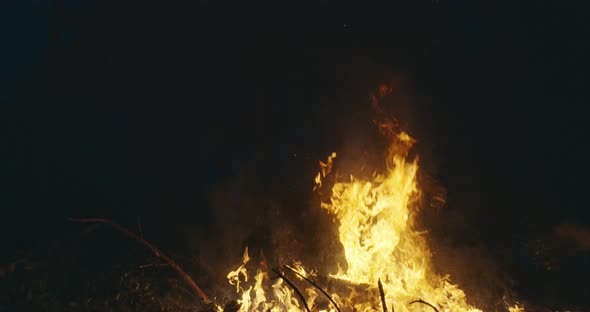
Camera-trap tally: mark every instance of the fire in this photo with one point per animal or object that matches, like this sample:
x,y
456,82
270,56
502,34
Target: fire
x,y
326,169
376,221
254,298
377,230
515,308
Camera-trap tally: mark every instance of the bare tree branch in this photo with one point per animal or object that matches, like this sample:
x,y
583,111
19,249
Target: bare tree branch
x,y
284,278
187,278
314,285
382,294
426,303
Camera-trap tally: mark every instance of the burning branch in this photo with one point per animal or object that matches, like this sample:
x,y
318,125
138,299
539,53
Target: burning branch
x,y
382,294
284,278
314,285
426,303
187,278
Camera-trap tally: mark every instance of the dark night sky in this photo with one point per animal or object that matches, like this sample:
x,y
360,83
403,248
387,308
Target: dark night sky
x,y
146,108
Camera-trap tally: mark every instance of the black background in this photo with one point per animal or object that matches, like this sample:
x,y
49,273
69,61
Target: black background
x,y
130,109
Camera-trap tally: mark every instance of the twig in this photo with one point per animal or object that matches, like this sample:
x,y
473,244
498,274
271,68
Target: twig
x,y
175,285
187,278
314,285
284,278
382,294
426,303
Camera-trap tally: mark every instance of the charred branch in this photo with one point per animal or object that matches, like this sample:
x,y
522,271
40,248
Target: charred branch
x,y
187,278
382,294
314,285
426,303
297,291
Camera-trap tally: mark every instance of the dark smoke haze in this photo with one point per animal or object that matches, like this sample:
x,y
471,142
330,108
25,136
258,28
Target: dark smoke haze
x,y
203,121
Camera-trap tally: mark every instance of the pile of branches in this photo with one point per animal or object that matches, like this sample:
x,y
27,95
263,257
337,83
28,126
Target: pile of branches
x,y
30,285
140,291
70,274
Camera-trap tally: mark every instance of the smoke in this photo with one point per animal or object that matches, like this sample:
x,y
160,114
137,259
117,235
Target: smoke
x,y
475,270
270,207
579,236
456,251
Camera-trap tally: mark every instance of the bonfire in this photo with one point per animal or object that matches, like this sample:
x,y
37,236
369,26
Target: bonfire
x,y
387,263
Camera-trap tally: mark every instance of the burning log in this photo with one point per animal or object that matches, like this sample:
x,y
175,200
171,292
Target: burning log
x,y
187,278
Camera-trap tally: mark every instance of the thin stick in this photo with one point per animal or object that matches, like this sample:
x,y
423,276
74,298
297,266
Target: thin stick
x,y
426,303
187,278
314,285
382,294
294,288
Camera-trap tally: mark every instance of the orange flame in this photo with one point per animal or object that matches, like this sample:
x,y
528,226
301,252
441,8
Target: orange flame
x,y
377,230
381,242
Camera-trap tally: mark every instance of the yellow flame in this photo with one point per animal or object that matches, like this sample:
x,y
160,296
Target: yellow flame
x,y
234,276
326,168
255,298
378,232
515,308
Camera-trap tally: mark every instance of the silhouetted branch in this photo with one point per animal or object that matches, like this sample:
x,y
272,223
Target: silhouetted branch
x,y
382,294
284,278
187,278
426,303
314,285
